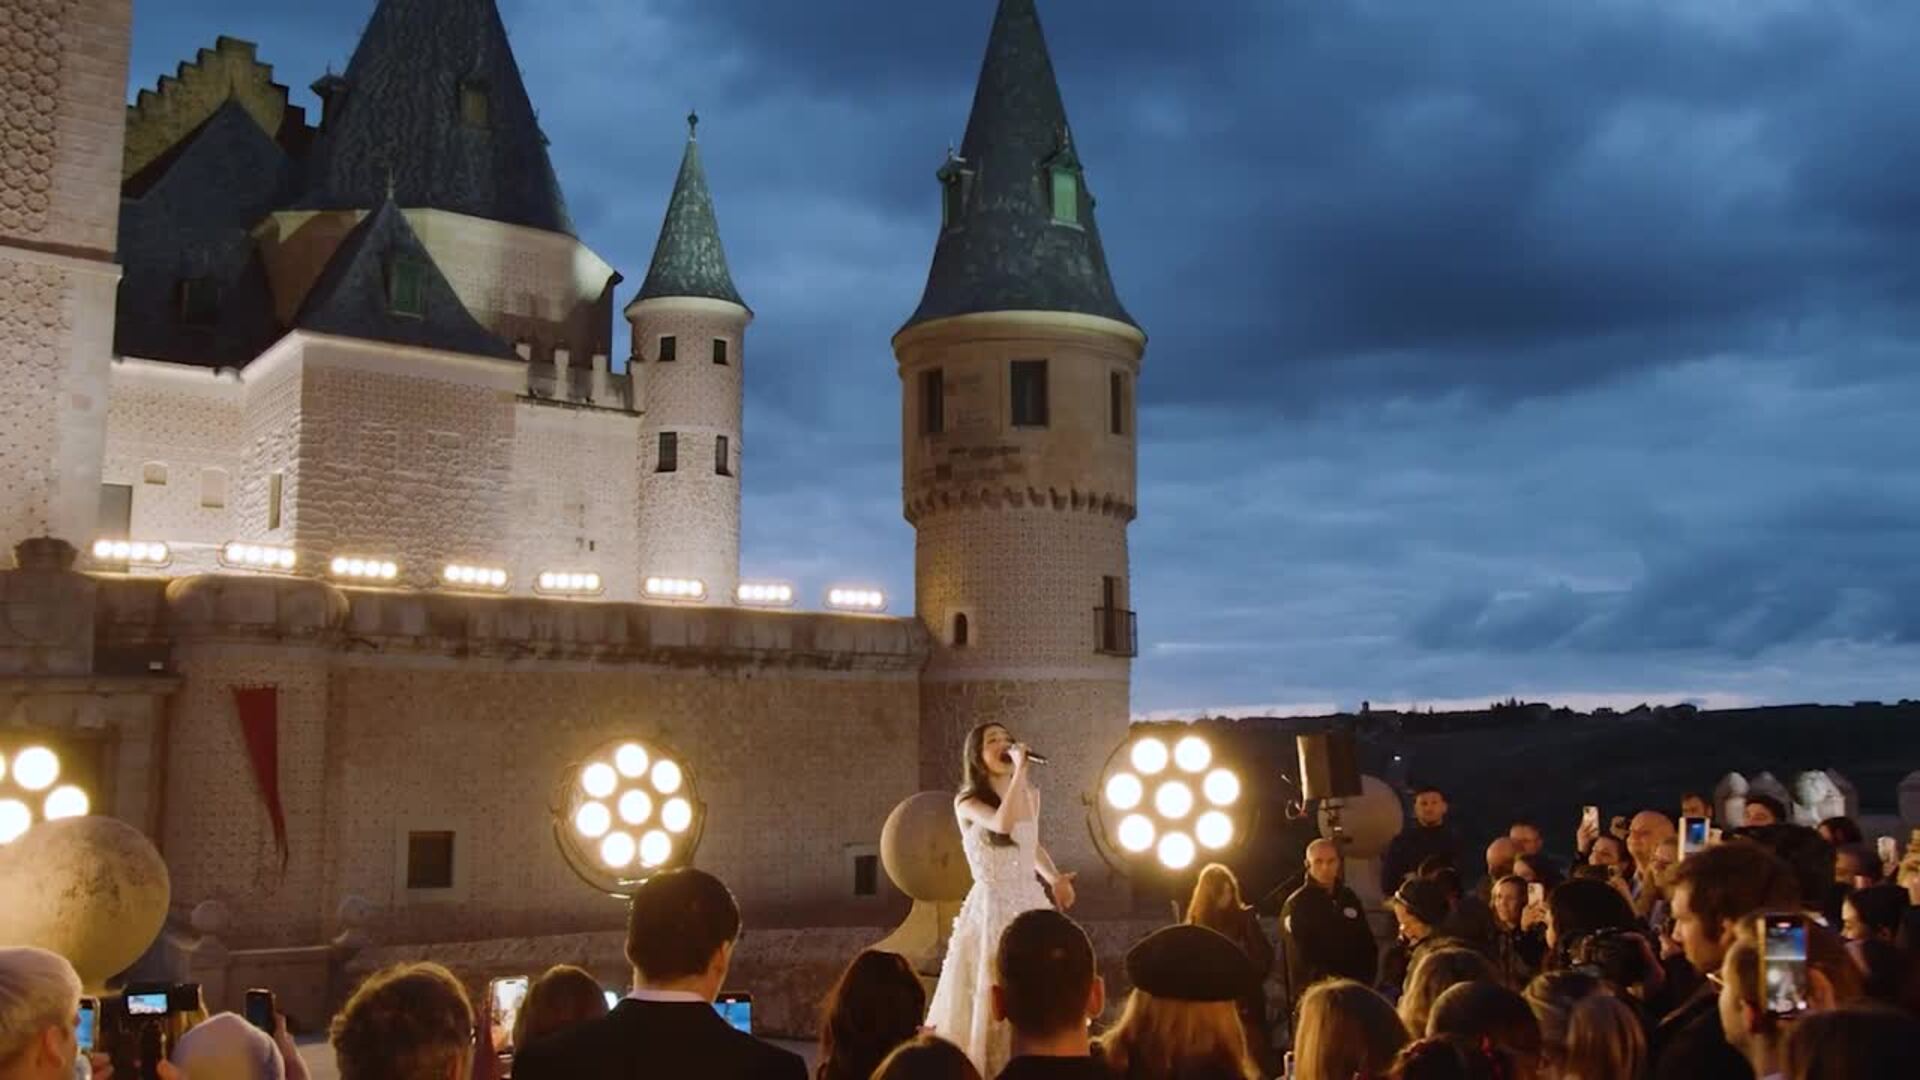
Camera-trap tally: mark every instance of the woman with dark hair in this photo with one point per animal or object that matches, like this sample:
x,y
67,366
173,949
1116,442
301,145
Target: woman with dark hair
x,y
561,997
1216,904
876,1006
999,813
1841,831
926,1057
1579,908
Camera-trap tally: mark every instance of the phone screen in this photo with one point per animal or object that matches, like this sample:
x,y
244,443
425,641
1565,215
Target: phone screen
x,y
1889,850
1536,892
613,998
1693,835
1591,816
147,1004
506,997
736,1009
1785,964
260,1009
83,1032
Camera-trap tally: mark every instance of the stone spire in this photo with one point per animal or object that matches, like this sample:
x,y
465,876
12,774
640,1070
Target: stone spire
x,y
433,102
1018,231
688,259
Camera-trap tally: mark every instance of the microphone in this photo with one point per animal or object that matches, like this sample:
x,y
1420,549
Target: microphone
x,y
1032,758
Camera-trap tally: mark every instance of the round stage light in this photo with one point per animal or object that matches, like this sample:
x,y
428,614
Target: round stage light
x,y
1149,755
1222,787
1136,833
592,820
631,760
625,812
1192,754
1174,800
1214,829
36,768
1124,791
66,801
15,819
635,807
1175,851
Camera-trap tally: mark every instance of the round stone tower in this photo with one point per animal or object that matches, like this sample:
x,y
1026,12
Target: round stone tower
x,y
689,356
1017,384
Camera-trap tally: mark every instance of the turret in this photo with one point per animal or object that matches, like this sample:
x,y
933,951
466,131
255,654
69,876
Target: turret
x,y
688,360
1017,387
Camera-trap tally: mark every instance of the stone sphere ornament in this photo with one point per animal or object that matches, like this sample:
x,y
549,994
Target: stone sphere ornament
x,y
920,847
92,889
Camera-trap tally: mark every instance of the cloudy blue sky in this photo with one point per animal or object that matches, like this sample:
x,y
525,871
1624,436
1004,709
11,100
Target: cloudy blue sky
x,y
1564,349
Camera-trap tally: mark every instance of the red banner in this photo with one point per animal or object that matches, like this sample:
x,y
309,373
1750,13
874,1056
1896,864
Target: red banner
x,y
259,708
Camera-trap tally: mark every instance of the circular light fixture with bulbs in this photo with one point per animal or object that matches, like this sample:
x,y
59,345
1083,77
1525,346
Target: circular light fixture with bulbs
x,y
626,812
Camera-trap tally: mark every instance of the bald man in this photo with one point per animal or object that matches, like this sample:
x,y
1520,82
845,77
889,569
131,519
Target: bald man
x,y
1500,856
1648,830
1326,926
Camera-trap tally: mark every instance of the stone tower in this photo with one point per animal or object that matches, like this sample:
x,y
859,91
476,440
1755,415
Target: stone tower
x,y
689,356
1017,376
61,137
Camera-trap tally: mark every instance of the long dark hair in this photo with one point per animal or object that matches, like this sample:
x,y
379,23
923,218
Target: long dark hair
x,y
877,1005
976,782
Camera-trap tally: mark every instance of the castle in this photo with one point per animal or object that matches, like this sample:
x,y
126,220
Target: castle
x,y
327,412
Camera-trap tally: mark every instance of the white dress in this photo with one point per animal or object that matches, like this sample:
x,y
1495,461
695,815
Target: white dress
x,y
1004,885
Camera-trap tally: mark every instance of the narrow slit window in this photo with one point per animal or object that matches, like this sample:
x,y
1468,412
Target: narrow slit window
x,y
720,350
406,287
669,349
1066,197
1117,402
275,485
933,402
962,631
722,451
1029,393
669,456
475,108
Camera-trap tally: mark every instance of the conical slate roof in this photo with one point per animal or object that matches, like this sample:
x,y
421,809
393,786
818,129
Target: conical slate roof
x,y
401,121
688,259
1004,252
351,298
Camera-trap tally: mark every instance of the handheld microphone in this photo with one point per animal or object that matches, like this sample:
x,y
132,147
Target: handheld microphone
x,y
1032,758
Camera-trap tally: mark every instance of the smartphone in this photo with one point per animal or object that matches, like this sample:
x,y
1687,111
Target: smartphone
x,y
88,1025
261,1009
147,1002
1590,818
736,1008
1784,984
505,996
613,998
1286,1066
1713,837
1889,851
1693,835
1536,893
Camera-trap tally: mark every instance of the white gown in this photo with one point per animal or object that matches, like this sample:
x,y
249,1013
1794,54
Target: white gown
x,y
1004,885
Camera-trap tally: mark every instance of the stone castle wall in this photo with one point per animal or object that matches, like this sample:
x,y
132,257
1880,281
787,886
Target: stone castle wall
x,y
175,436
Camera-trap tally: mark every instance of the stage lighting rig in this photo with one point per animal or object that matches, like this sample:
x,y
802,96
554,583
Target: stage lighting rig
x,y
1164,802
626,812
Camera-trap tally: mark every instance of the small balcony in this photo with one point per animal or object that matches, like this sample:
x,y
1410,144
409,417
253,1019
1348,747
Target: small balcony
x,y
1116,632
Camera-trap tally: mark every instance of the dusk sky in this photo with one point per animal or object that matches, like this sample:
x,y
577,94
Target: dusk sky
x,y
1559,349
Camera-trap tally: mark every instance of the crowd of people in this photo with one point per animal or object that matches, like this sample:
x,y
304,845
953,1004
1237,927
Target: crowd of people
x,y
1632,963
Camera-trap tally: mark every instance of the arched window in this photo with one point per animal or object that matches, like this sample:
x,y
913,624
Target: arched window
x,y
962,632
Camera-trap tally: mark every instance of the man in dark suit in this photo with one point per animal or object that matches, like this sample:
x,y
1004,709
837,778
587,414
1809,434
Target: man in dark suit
x,y
1046,989
680,933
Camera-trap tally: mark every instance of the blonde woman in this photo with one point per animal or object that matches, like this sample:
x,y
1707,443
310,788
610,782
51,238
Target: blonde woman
x,y
1586,1032
1434,972
1182,1019
1345,1030
1217,905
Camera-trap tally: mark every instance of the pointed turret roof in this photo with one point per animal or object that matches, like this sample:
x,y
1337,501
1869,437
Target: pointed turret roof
x,y
352,297
433,106
1004,251
688,259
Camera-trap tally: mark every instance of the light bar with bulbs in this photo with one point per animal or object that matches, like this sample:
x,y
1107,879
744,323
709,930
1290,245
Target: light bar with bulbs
x,y
132,552
567,583
685,590
764,594
355,568
241,556
474,577
868,600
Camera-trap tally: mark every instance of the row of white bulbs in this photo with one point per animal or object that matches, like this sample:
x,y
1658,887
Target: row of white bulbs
x,y
33,770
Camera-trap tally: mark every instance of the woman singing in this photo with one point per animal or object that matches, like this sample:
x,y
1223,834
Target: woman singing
x,y
999,812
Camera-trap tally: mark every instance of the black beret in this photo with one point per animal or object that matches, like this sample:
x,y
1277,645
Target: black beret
x,y
1425,898
1190,963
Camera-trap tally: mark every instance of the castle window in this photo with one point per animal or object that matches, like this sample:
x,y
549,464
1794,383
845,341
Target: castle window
x,y
1117,403
722,448
933,402
474,103
1030,393
199,301
962,631
669,349
866,875
275,485
1066,196
154,472
669,456
719,350
406,286
429,860
213,489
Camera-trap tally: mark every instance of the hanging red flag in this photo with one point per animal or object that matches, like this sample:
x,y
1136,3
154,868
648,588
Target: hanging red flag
x,y
259,708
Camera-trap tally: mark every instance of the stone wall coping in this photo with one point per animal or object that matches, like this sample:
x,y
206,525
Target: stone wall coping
x,y
89,684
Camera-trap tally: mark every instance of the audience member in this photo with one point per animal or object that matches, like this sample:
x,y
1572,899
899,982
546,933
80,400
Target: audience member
x,y
1694,804
1500,856
1345,1030
1712,891
1764,809
1326,925
39,1005
1468,917
1427,837
1586,1033
1216,905
1841,831
1872,919
877,1004
1433,974
1812,860
1856,866
1182,1021
1451,1059
561,997
1518,949
1851,1043
227,1047
927,1057
410,1022
681,929
1420,909
1579,909
1757,1035
1047,990
1486,1013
